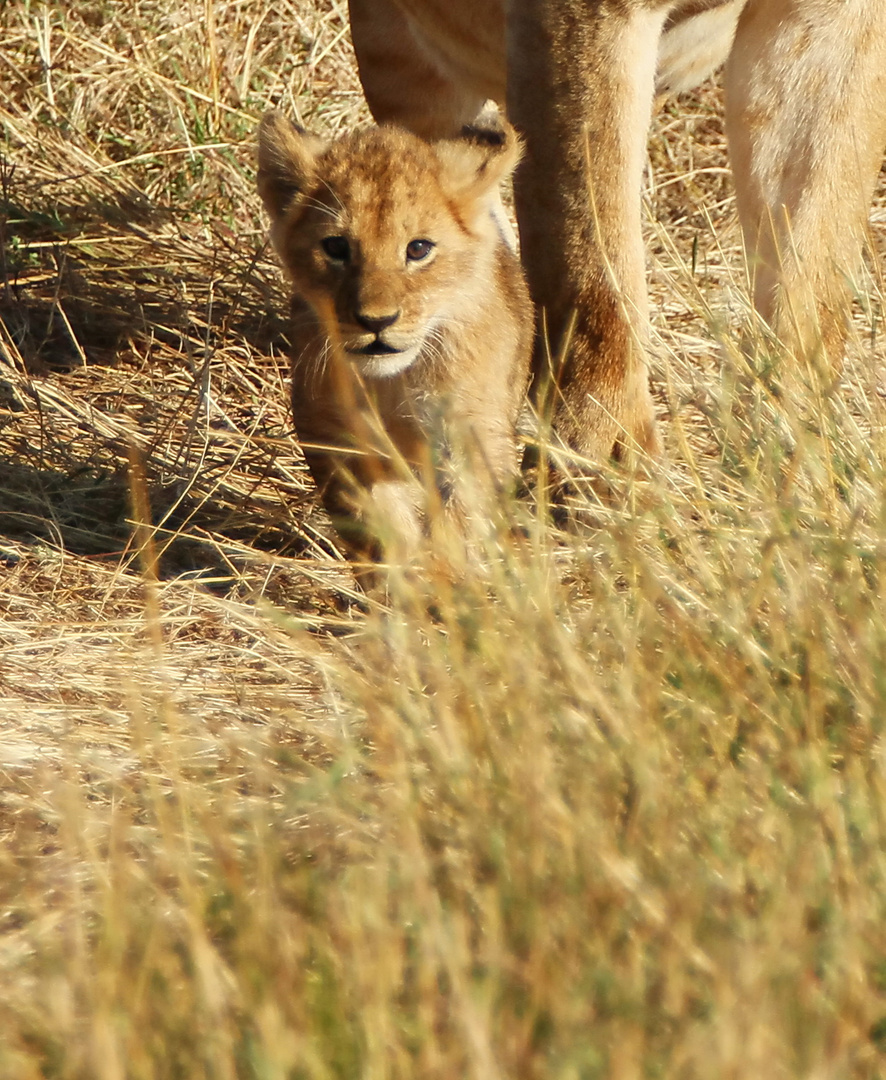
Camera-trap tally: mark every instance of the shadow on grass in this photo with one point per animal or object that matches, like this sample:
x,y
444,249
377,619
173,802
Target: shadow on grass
x,y
87,511
123,305
80,283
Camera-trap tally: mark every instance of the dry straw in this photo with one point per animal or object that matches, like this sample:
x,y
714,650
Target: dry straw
x,y
615,809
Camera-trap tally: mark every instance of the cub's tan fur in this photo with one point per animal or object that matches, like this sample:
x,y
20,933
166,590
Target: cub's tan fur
x,y
806,120
412,322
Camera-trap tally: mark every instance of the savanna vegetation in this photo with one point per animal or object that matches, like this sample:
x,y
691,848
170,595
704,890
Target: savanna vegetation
x,y
615,807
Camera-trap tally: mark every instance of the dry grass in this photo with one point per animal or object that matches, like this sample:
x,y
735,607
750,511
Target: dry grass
x,y
617,811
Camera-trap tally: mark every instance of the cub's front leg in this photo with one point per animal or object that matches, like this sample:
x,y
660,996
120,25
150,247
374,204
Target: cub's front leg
x,y
364,484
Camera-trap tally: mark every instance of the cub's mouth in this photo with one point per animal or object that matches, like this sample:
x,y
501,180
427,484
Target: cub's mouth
x,y
379,359
377,348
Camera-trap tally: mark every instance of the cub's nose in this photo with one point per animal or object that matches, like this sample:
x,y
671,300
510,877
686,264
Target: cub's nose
x,y
376,323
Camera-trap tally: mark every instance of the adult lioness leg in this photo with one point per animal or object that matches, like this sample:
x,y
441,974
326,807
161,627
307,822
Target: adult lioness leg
x,y
806,121
581,83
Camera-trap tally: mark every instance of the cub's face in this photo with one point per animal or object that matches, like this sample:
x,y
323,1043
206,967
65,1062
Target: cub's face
x,y
384,235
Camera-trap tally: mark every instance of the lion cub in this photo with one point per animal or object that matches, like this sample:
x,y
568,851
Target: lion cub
x,y
412,324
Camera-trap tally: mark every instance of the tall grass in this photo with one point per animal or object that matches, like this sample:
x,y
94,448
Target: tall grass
x,y
612,808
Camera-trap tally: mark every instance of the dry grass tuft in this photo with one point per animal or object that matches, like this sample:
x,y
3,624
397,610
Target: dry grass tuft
x,y
616,810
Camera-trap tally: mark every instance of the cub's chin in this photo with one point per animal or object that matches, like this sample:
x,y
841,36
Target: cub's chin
x,y
383,364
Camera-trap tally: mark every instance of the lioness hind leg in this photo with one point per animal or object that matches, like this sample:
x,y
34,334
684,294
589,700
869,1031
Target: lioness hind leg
x,y
424,78
806,121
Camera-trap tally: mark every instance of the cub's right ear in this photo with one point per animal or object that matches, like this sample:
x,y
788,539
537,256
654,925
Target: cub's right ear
x,y
287,158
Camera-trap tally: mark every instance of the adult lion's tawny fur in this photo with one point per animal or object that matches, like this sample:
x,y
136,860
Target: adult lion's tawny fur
x,y
412,324
806,120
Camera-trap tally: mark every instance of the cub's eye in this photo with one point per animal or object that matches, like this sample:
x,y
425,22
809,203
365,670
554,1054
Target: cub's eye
x,y
337,248
416,250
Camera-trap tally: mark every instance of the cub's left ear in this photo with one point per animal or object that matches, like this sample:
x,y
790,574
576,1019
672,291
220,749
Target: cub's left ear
x,y
287,158
486,153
